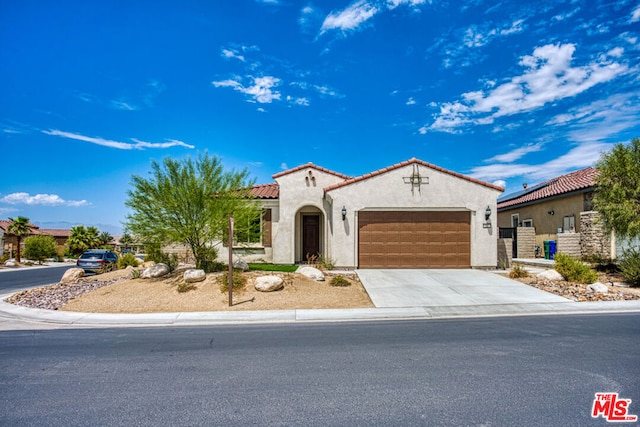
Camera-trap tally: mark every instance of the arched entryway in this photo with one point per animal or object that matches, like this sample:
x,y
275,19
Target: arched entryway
x,y
310,232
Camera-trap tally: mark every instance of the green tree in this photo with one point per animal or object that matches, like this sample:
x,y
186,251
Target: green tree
x,y
126,240
188,202
82,238
19,227
617,196
104,238
39,247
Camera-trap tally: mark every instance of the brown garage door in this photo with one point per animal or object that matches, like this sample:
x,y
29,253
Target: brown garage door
x,y
414,239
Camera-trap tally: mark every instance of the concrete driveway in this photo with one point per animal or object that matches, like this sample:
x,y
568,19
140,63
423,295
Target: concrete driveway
x,y
430,288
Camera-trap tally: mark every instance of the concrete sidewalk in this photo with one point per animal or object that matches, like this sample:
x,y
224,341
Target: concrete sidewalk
x,y
16,317
397,295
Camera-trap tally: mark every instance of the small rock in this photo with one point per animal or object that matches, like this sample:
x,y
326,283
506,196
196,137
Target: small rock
x,y
241,264
269,283
550,275
598,288
312,273
10,263
154,271
192,275
72,275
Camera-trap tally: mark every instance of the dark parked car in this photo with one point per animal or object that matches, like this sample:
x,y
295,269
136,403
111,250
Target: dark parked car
x,y
98,260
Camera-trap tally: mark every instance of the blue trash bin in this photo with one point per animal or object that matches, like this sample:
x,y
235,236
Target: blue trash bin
x,y
552,249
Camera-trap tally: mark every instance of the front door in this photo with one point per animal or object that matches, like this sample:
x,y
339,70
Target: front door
x,y
310,236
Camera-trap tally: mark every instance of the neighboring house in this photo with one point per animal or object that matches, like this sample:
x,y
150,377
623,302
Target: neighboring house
x,y
9,241
561,210
409,215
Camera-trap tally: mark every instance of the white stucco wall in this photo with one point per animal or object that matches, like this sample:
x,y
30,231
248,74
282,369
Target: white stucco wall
x,y
389,191
300,193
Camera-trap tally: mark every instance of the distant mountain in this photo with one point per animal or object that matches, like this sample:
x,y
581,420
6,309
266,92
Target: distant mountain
x,y
114,230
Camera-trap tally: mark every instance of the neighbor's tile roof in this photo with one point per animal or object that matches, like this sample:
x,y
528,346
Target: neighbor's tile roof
x,y
406,163
266,191
55,232
5,223
310,165
579,180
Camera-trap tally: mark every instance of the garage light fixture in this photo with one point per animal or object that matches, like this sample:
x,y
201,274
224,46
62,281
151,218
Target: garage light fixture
x,y
487,213
344,213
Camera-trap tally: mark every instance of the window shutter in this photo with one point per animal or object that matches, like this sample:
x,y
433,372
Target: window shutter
x,y
266,228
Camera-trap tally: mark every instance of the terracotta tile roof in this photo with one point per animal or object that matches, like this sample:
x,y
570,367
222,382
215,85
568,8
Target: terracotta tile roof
x,y
55,232
583,179
310,165
266,191
406,163
5,223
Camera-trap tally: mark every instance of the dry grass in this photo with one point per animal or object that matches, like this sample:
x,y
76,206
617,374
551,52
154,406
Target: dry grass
x,y
161,295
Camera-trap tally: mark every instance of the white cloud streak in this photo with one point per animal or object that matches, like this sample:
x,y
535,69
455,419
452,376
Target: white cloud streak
x,y
548,77
136,145
355,15
41,199
262,90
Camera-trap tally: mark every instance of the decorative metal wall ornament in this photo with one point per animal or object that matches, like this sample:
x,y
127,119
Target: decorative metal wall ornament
x,y
416,180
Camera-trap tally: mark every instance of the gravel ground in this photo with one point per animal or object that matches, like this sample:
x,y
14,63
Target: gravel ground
x,y
116,292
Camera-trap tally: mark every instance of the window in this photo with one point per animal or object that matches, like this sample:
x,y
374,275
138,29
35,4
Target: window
x,y
569,224
249,232
527,222
515,219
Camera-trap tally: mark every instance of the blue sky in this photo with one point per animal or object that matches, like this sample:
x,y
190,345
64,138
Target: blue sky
x,y
507,92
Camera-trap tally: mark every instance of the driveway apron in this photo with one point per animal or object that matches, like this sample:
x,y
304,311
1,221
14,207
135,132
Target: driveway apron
x,y
431,288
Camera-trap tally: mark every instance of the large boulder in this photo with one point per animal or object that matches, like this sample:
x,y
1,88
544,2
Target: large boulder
x,y
72,275
10,263
311,272
598,288
192,275
154,271
240,264
550,275
269,283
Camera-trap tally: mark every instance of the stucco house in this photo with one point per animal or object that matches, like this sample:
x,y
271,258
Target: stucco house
x,y
8,241
409,215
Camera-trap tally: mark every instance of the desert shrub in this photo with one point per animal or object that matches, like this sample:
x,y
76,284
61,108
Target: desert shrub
x,y
601,263
126,260
325,263
518,271
339,281
4,257
157,256
207,260
574,270
239,281
186,287
135,273
630,266
39,247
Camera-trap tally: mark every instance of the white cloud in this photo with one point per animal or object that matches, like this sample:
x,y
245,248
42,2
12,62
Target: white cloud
x,y
41,199
361,11
500,183
232,53
635,15
411,101
581,156
350,18
261,91
548,77
516,154
137,144
123,105
284,166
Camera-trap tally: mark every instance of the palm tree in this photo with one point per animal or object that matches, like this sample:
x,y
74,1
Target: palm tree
x,y
105,238
19,227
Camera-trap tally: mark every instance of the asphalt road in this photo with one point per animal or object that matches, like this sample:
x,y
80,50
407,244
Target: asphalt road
x,y
522,371
27,277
